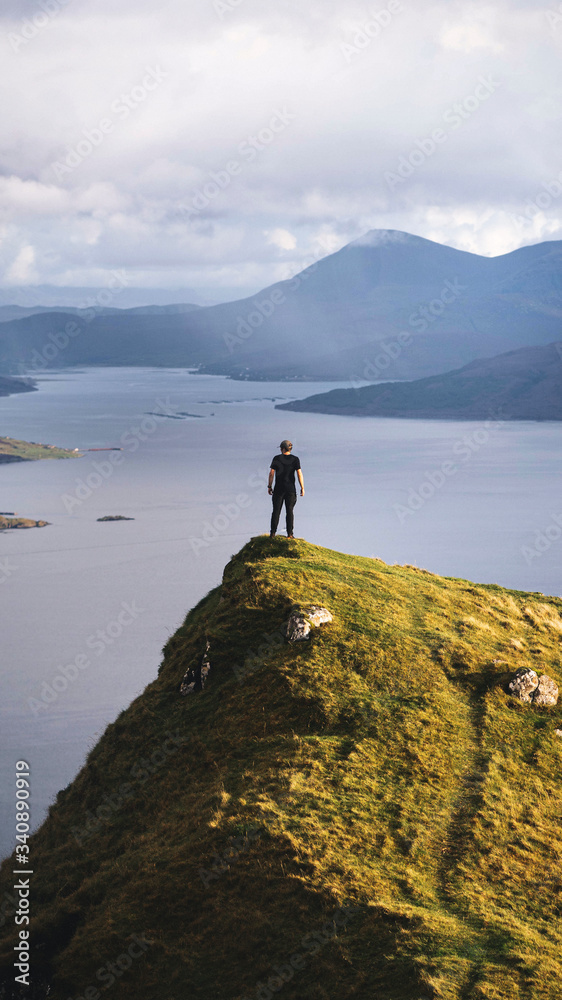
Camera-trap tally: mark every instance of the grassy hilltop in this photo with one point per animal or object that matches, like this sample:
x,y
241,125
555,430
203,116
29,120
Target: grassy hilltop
x,y
379,766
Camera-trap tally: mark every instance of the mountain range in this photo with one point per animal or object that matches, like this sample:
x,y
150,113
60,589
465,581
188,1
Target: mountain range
x,y
12,312
388,305
520,385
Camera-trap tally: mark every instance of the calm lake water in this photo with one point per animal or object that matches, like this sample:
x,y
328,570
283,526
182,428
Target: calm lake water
x,y
460,499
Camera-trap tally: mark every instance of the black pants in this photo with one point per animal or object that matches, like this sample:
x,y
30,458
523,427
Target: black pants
x,y
289,499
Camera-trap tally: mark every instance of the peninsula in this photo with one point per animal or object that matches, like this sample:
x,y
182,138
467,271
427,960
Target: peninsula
x,y
519,385
9,385
12,450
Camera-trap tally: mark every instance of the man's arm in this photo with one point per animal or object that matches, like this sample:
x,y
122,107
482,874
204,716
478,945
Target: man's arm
x,y
270,481
301,481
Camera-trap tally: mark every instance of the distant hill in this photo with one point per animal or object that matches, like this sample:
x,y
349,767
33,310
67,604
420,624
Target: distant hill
x,y
389,305
123,337
122,294
169,310
365,814
520,385
8,313
11,312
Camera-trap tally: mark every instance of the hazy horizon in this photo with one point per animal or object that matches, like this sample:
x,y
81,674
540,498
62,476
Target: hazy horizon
x,y
49,296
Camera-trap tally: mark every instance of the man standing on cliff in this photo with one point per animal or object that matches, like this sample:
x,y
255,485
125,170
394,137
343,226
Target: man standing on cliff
x,y
283,467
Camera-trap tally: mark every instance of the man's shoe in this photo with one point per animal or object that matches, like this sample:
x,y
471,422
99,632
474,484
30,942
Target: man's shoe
x,y
272,534
290,536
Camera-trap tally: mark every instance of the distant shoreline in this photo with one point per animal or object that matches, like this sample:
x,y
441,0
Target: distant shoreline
x,y
525,384
10,386
12,450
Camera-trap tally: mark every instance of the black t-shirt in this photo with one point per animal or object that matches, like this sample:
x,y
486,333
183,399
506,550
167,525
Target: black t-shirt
x,y
285,467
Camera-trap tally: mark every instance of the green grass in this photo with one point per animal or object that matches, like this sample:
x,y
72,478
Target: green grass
x,y
380,764
30,451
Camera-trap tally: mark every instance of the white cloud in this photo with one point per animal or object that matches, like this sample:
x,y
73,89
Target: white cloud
x,y
101,198
318,184
281,238
477,28
27,198
22,271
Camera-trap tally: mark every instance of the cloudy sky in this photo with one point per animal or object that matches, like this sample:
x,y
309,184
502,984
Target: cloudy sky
x,y
220,145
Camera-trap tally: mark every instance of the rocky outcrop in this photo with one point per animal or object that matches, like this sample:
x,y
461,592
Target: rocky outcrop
x,y
303,619
523,684
196,677
546,693
527,686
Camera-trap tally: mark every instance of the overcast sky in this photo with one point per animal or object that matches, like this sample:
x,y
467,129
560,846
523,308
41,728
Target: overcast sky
x,y
224,144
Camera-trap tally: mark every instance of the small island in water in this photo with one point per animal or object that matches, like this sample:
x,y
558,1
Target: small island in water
x,y
19,522
115,517
12,450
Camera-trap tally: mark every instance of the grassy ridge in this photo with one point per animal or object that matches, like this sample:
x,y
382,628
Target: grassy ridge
x,y
380,765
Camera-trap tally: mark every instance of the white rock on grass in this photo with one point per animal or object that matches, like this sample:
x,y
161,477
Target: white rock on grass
x,y
303,619
546,693
523,683
529,687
